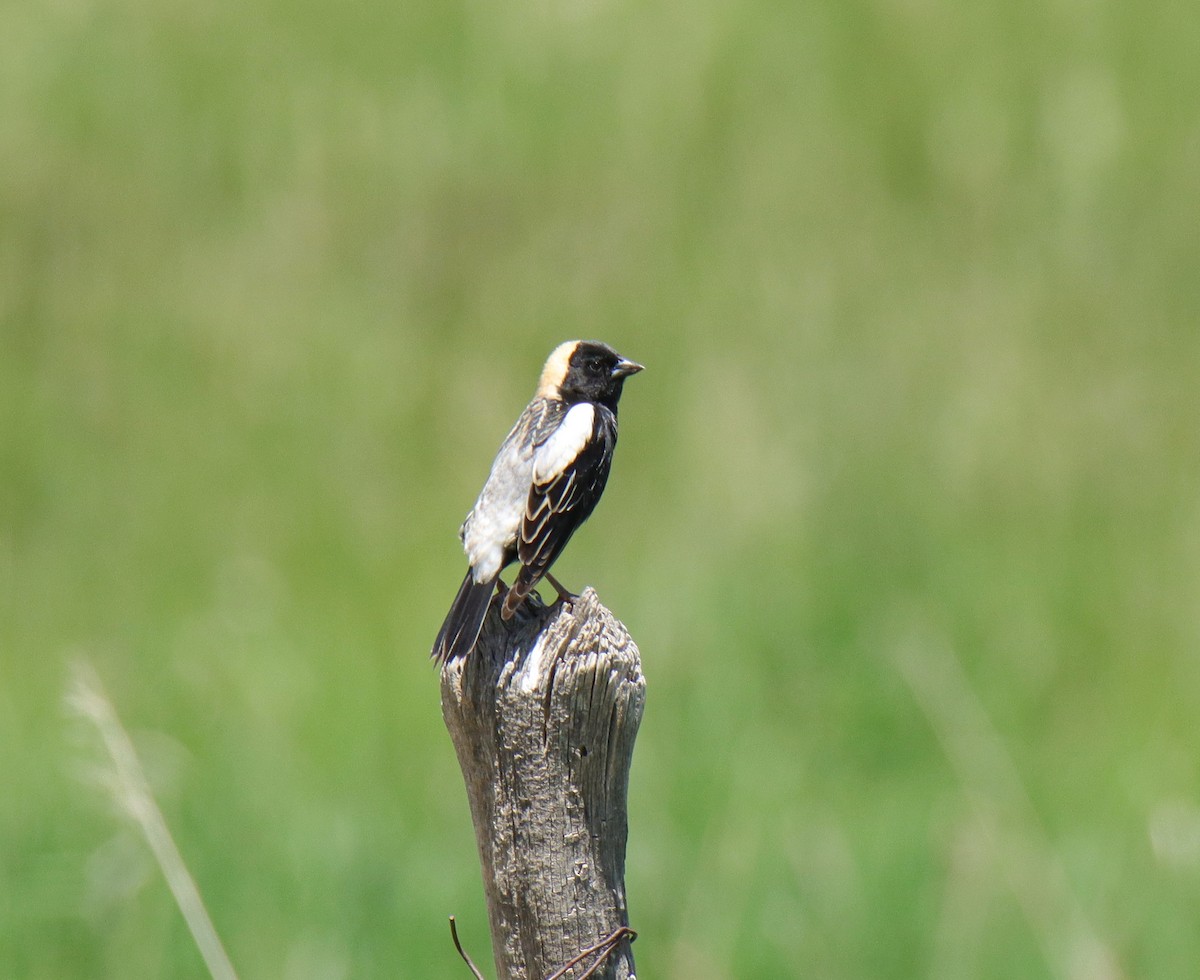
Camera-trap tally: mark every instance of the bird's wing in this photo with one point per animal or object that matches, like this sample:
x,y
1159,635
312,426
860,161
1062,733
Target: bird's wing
x,y
570,469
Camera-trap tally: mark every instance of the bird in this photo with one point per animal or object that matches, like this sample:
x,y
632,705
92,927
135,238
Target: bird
x,y
545,482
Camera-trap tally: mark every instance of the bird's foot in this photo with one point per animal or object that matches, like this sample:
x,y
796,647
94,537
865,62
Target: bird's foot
x,y
565,596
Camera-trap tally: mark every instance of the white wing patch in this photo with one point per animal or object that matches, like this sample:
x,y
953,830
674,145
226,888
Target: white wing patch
x,y
564,446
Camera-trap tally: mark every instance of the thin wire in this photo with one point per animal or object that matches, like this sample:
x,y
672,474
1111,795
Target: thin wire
x,y
462,952
604,948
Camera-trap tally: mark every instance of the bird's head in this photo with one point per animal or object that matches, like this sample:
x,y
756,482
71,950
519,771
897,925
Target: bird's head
x,y
585,370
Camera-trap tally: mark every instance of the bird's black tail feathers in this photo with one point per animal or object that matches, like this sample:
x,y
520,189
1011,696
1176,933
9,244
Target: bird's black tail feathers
x,y
463,622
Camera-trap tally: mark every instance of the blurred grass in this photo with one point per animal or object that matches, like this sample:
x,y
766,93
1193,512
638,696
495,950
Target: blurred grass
x,y
917,288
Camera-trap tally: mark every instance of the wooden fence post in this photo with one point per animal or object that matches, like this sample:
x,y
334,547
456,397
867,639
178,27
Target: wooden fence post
x,y
543,715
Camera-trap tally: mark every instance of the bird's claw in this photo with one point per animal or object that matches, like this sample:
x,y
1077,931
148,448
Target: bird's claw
x,y
565,596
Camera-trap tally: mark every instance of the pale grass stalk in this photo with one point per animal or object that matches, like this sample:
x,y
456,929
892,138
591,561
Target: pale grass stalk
x,y
1006,818
132,793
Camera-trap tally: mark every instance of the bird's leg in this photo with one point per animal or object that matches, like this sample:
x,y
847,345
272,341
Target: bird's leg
x,y
501,588
564,595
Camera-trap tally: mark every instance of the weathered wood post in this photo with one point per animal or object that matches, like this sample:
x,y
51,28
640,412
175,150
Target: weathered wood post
x,y
543,715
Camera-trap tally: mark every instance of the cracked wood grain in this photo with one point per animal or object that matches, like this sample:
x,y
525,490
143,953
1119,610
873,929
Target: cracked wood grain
x,y
543,715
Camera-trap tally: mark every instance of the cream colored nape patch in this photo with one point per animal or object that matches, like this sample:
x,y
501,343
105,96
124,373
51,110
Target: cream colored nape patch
x,y
555,370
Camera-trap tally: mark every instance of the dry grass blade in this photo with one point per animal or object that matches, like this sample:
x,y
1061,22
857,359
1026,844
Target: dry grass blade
x,y
132,793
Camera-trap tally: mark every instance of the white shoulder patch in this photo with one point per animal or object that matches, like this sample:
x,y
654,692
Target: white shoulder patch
x,y
564,446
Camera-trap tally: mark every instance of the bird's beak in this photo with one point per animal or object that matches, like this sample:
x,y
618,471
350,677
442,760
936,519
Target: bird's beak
x,y
625,368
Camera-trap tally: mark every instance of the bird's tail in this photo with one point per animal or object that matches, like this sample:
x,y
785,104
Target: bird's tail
x,y
525,582
463,622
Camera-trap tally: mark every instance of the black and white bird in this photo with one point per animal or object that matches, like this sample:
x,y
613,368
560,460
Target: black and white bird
x,y
544,483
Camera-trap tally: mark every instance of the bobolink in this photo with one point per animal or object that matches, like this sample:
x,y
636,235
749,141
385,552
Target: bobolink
x,y
544,483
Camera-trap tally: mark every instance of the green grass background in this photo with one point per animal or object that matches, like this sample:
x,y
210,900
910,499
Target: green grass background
x,y
905,516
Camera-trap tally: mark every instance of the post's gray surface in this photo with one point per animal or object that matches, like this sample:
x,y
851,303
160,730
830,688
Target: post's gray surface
x,y
543,715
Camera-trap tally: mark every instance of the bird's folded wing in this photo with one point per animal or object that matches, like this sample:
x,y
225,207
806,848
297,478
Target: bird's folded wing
x,y
569,472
